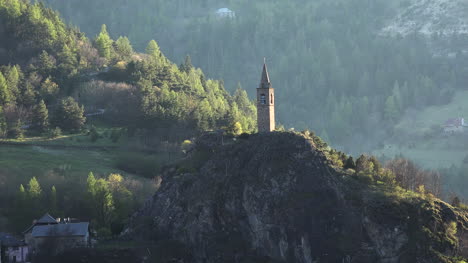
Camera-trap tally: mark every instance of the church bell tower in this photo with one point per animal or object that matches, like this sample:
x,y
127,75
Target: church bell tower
x,y
265,103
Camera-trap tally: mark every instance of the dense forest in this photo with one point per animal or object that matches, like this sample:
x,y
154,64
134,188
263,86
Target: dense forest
x,y
49,66
53,79
332,69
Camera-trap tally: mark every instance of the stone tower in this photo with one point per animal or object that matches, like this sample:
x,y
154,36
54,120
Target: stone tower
x,y
265,103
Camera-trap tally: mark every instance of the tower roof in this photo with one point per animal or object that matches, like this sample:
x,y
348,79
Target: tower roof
x,y
265,81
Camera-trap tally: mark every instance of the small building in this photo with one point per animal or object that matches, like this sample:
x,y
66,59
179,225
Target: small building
x,y
56,235
455,125
60,237
225,13
12,250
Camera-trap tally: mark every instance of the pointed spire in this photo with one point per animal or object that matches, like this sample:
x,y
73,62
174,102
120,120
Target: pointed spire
x,y
265,81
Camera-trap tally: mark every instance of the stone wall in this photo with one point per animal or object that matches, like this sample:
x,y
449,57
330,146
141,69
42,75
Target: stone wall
x,y
266,112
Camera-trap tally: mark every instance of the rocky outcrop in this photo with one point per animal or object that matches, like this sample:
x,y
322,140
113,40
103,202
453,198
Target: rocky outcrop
x,y
276,198
427,17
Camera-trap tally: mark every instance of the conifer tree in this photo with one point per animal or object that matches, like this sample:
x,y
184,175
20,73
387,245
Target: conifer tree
x,y
3,124
187,65
391,109
4,91
153,49
40,119
104,43
13,78
91,184
22,193
69,115
49,90
123,47
34,188
53,200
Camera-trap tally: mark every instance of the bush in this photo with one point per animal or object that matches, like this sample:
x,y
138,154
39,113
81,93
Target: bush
x,y
94,134
54,133
15,131
186,146
115,135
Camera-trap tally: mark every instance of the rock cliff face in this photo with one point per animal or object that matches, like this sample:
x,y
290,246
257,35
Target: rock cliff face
x,y
275,198
427,17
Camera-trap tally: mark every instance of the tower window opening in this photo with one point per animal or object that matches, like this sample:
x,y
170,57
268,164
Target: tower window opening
x,y
271,102
262,99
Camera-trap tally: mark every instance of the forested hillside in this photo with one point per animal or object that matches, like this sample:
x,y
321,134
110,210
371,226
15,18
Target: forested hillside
x,y
50,67
332,70
66,100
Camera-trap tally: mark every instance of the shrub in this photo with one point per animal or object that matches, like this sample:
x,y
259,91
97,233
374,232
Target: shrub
x,y
115,135
15,131
186,146
54,133
94,134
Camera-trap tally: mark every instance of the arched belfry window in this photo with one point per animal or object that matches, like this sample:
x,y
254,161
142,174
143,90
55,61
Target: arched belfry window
x,y
263,99
271,100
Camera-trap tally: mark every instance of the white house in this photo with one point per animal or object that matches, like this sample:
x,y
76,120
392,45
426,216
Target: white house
x,y
12,250
455,125
225,13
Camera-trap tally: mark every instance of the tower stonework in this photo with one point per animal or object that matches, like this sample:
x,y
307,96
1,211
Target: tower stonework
x,y
265,103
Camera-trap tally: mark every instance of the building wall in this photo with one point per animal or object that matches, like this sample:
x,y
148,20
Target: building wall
x,y
453,129
266,112
58,244
21,254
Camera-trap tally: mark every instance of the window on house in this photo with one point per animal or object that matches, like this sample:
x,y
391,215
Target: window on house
x,y
262,99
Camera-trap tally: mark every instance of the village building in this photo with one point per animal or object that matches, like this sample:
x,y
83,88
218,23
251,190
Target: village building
x,y
56,235
12,250
265,103
225,13
455,125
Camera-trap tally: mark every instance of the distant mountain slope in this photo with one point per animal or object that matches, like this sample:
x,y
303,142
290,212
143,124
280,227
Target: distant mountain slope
x,y
427,17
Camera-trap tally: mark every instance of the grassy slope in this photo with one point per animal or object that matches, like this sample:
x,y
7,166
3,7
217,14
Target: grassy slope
x,y
71,156
422,132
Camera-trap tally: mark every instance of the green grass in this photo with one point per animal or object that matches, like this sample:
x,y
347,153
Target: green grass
x,y
423,139
67,140
420,122
28,161
431,158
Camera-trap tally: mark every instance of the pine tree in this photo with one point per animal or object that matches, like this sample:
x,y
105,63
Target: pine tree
x,y
123,47
22,193
53,200
187,65
153,49
69,116
13,78
40,118
49,90
104,43
391,109
3,124
4,91
91,184
34,188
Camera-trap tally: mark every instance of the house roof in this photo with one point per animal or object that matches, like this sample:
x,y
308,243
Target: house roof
x,y
454,122
61,230
46,219
224,10
9,240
